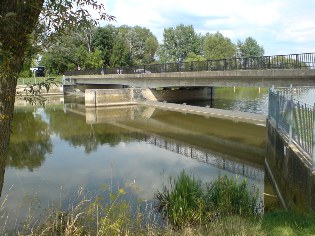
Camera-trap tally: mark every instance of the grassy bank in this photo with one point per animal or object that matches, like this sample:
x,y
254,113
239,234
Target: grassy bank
x,y
185,206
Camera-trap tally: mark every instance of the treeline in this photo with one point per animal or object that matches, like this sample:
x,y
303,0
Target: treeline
x,y
124,46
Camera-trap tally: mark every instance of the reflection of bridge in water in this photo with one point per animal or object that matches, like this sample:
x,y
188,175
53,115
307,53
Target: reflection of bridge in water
x,y
208,158
117,116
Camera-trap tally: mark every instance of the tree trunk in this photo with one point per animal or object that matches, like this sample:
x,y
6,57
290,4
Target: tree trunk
x,y
7,98
18,19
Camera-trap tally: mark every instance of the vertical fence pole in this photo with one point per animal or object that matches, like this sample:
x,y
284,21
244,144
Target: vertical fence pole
x,y
313,140
291,114
277,109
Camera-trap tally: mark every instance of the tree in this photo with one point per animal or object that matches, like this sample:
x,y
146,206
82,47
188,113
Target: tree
x,y
178,42
249,48
143,44
150,48
121,55
216,46
22,23
104,39
193,57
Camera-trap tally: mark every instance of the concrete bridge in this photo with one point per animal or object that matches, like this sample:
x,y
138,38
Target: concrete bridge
x,y
279,70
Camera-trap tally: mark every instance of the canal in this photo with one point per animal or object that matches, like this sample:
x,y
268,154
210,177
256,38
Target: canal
x,y
64,147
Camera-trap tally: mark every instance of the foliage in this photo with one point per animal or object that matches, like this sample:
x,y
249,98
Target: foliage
x,y
142,43
194,57
182,204
120,55
249,48
69,52
216,46
185,203
228,197
178,42
104,39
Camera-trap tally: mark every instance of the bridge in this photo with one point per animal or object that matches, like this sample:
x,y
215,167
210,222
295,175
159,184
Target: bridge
x,y
279,70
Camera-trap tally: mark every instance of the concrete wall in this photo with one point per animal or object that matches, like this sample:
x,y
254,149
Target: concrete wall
x,y
116,97
248,78
290,171
108,97
178,95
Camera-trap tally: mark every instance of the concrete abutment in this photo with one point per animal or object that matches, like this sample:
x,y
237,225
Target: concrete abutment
x,y
127,96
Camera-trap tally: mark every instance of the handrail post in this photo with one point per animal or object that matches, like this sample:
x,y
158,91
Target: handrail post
x,y
313,140
291,114
278,110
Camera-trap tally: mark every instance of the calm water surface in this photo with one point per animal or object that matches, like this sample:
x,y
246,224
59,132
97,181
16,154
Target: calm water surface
x,y
247,99
57,150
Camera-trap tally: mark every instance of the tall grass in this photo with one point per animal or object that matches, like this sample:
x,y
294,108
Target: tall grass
x,y
227,196
183,203
189,206
187,202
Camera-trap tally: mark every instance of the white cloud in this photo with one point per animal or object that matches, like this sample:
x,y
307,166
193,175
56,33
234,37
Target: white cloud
x,y
281,26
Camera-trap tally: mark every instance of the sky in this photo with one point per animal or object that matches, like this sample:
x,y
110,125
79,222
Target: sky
x,y
280,26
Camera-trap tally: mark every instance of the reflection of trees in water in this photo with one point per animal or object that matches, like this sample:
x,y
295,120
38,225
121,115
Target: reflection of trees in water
x,y
73,129
30,141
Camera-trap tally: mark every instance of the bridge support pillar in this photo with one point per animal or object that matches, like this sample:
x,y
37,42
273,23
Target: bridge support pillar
x,y
109,97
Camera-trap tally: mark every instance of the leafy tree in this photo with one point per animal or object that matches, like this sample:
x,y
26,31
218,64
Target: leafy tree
x,y
178,42
104,39
120,56
70,51
216,46
249,48
26,23
193,57
150,48
143,44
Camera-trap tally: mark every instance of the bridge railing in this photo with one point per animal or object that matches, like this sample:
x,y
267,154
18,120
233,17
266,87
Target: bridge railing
x,y
291,61
293,117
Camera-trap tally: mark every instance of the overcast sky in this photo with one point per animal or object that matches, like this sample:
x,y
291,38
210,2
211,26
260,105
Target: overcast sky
x,y
280,26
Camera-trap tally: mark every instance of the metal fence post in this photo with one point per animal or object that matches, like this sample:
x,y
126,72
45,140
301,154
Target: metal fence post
x,y
291,114
313,140
277,110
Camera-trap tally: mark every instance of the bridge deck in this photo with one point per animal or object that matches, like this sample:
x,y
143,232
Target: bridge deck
x,y
257,119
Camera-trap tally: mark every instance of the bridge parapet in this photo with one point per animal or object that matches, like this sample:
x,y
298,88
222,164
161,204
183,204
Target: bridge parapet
x,y
291,61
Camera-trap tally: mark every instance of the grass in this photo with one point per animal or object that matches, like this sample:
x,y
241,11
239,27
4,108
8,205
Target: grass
x,y
186,202
182,204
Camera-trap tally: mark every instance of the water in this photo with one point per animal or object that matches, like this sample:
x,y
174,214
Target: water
x,y
55,151
247,99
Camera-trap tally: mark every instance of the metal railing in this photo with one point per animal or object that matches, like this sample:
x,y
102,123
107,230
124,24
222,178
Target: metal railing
x,y
291,61
294,118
